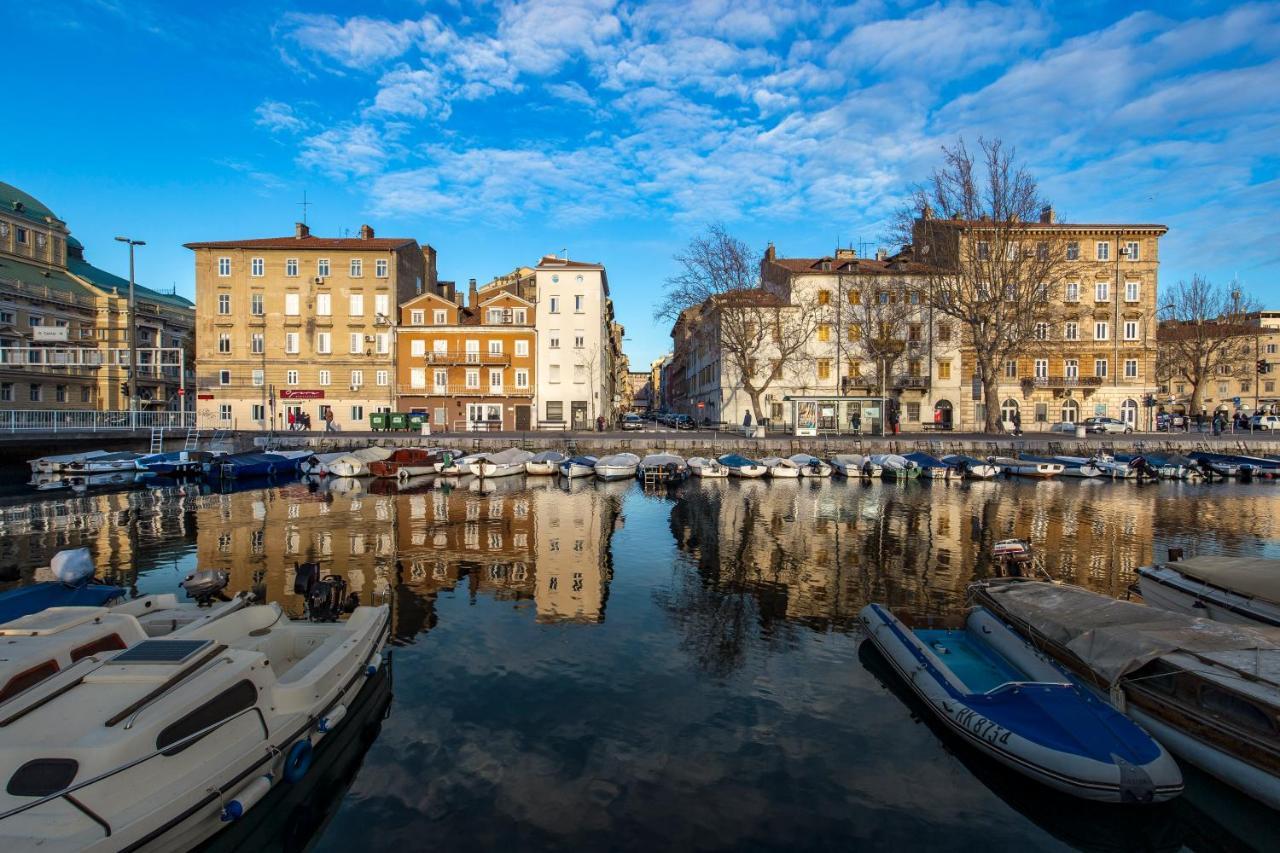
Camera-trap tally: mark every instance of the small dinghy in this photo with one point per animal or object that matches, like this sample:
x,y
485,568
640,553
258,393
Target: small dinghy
x,y
895,467
1106,466
404,457
545,463
578,466
1237,590
811,466
177,463
1025,467
56,464
741,466
252,464
197,730
1177,467
1008,700
663,468
701,466
1222,465
617,466
318,463
972,468
1076,467
933,468
356,463
502,464
453,464
781,468
105,463
855,465
74,587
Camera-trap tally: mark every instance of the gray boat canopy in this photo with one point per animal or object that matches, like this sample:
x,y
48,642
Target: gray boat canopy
x,y
1114,638
1254,577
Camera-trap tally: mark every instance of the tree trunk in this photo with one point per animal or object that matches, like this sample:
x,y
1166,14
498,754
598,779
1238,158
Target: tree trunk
x,y
1197,399
991,395
756,411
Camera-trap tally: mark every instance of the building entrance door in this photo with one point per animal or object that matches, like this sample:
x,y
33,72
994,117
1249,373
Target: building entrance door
x,y
484,416
578,413
523,418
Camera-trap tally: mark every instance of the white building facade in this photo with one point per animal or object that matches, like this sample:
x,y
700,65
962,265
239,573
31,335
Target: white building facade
x,y
575,363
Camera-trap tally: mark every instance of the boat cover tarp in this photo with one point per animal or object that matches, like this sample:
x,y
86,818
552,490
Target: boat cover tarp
x,y
1116,637
618,460
661,459
372,454
1254,577
510,456
549,456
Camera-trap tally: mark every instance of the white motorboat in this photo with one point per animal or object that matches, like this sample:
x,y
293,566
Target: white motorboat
x,y
578,466
617,466
741,466
55,464
1105,466
1239,590
894,466
1072,466
855,465
545,463
106,463
665,468
502,464
811,466
971,468
356,463
456,466
318,463
701,466
196,729
1026,467
781,468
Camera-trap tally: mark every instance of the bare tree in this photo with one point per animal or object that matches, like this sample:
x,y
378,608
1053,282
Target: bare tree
x,y
1204,332
878,315
761,334
973,225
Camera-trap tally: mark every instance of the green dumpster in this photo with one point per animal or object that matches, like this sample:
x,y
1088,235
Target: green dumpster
x,y
416,420
378,420
399,420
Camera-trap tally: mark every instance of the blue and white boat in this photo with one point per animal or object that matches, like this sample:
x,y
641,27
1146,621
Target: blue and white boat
x,y
578,466
993,689
972,468
1222,464
1071,466
933,468
252,464
74,587
177,462
741,466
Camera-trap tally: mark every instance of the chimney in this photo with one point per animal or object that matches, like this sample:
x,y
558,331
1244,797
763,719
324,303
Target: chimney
x,y
770,253
366,233
473,298
846,253
301,230
1047,216
926,212
882,254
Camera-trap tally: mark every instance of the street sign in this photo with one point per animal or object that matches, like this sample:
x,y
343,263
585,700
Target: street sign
x,y
182,392
1235,400
701,405
48,333
301,394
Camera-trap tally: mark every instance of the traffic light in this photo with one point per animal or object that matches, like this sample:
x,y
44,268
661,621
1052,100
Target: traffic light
x,y
124,388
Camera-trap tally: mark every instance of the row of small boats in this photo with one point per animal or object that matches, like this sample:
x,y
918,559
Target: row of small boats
x,y
1097,697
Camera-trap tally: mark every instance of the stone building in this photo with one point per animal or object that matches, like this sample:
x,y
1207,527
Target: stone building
x,y
1248,370
64,322
302,325
469,367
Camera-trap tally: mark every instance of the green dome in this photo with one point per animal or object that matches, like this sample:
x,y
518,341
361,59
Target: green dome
x,y
32,208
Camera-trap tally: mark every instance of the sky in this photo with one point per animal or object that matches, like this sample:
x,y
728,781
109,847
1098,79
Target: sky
x,y
500,132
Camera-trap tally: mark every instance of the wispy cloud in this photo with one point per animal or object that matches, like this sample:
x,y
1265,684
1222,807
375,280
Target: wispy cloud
x,y
279,116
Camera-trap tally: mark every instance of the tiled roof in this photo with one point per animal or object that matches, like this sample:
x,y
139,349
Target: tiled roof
x,y
549,262
308,243
15,201
851,266
1056,226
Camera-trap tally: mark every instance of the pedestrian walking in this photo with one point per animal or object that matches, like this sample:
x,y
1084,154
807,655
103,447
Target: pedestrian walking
x,y
292,421
599,423
328,421
1017,423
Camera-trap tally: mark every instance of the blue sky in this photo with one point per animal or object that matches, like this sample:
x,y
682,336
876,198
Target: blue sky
x,y
498,132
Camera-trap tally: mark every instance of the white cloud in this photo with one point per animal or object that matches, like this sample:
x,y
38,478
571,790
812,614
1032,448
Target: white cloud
x,y
278,116
571,92
357,42
351,150
416,92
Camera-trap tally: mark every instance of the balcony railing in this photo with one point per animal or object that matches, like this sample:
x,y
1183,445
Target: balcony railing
x,y
1067,381
461,390
80,420
482,358
907,381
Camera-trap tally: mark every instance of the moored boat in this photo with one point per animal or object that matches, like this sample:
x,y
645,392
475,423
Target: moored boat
x,y
1221,464
972,468
545,463
55,464
404,457
1026,468
1078,468
250,464
933,468
701,466
73,586
1008,700
357,462
855,465
105,463
454,464
1208,691
578,466
895,467
741,466
780,468
666,468
617,466
811,466
504,463
318,463
1238,590
177,462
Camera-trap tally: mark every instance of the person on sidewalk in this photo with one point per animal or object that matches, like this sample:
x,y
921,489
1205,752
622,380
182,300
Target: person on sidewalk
x,y
328,421
292,421
599,423
1017,423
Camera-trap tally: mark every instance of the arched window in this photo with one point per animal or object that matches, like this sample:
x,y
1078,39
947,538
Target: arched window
x,y
1070,411
1129,412
1008,409
942,414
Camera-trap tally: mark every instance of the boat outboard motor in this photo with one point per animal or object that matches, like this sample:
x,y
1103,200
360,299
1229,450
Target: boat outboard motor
x,y
326,597
204,586
73,567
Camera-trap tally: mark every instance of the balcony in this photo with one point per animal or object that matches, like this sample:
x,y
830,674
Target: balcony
x,y
904,380
461,390
493,359
1067,381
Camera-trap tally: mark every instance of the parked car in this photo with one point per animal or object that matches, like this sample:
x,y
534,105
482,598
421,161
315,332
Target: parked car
x,y
683,422
1166,421
1266,422
632,421
1064,426
1106,425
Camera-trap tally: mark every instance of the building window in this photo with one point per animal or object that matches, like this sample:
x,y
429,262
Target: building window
x,y
1104,251
944,370
555,411
1102,291
824,333
380,267
440,317
224,343
357,378
357,413
577,304
984,250
291,343
1130,330
224,412
1100,368
824,368
579,341
324,305
291,267
1011,369
322,267
382,343
473,378
257,267
6,392
913,412
224,303
522,348
1271,349
291,303
224,267
1073,251
553,373
441,379
382,306
1245,385
291,377
417,348
256,343
60,393
495,380
380,377
255,305
325,377
224,377
554,304
34,320
1042,331
944,333
324,343
1222,388
579,373
258,412
1071,331
1130,368
1133,251
258,378
495,347
355,305
522,379
357,268
34,392
553,342
1073,292
1101,331
355,343
824,297
1132,291
417,317
1042,368
85,393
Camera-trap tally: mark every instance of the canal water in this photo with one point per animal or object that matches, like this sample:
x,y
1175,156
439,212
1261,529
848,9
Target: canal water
x,y
595,666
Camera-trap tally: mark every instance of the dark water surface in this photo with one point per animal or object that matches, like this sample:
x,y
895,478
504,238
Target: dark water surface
x,y
596,667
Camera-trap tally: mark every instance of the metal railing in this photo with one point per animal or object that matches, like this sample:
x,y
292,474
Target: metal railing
x,y
81,420
1066,381
456,357
460,390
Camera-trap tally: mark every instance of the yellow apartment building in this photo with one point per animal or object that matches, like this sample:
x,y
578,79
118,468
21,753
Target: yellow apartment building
x,y
301,325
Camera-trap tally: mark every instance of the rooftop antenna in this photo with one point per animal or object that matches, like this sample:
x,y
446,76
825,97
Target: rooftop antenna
x,y
565,252
304,204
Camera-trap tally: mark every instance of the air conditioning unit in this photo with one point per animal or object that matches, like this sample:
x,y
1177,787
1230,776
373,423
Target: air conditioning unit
x,y
368,339
355,387
318,279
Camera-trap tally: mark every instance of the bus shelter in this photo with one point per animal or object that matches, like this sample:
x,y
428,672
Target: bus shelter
x,y
838,415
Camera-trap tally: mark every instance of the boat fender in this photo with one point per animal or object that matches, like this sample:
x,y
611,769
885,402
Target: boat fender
x,y
375,663
298,761
328,721
247,798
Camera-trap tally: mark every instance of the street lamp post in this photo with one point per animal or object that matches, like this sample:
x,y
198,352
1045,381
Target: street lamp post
x,y
133,336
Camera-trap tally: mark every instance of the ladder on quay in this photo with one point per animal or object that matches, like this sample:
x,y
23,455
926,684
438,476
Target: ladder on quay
x,y
193,439
157,440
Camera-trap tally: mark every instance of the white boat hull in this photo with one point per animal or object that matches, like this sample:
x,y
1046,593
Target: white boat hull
x,y
781,472
615,472
541,469
748,472
1170,590
575,471
710,473
492,469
